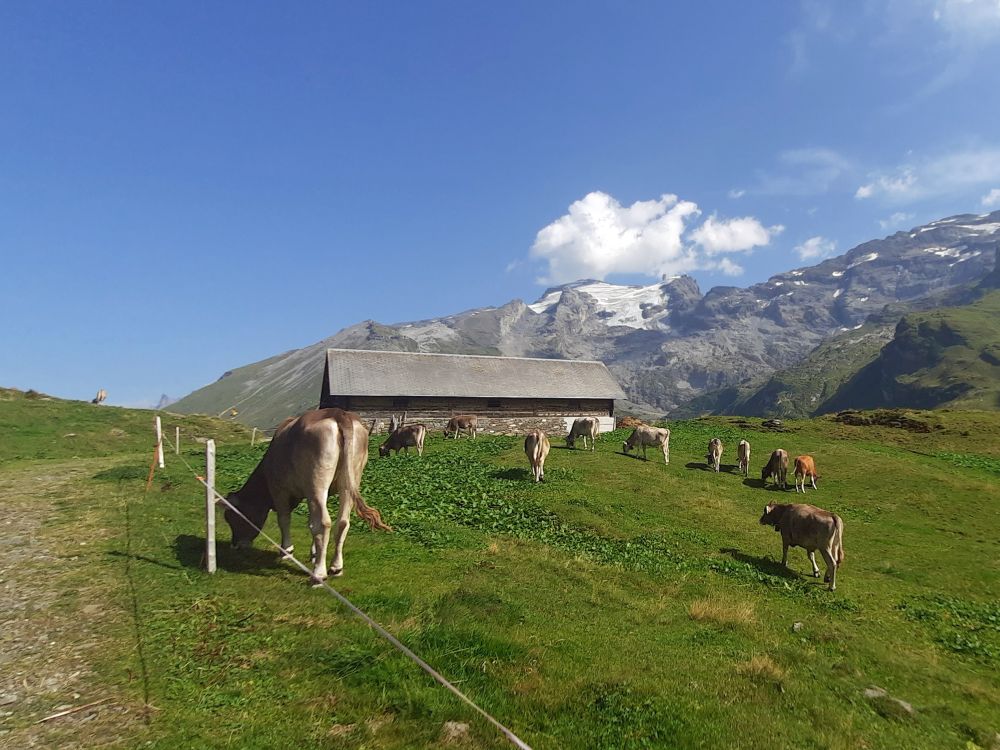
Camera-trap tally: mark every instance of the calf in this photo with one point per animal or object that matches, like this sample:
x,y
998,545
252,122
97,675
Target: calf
x,y
404,438
776,469
743,456
805,468
714,455
468,423
536,448
584,427
644,436
812,529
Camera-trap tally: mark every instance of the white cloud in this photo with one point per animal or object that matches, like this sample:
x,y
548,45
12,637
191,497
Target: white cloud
x,y
734,193
991,199
733,235
598,236
816,247
896,220
948,174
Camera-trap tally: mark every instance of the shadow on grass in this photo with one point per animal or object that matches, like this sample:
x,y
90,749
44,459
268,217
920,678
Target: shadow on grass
x,y
145,558
190,553
519,475
723,468
763,564
760,484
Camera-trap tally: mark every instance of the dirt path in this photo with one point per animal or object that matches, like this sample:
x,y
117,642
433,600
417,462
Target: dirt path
x,y
51,618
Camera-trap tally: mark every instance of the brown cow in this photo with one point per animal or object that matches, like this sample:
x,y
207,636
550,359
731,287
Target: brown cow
x,y
536,448
404,438
583,427
743,456
100,398
462,423
310,455
805,467
714,455
812,529
644,436
776,469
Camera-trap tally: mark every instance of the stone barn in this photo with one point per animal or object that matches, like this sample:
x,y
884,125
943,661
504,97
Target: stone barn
x,y
510,395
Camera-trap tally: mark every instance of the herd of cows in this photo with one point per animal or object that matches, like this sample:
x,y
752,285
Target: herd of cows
x,y
326,450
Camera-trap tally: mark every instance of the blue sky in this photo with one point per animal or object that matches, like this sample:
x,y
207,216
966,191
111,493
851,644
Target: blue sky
x,y
189,187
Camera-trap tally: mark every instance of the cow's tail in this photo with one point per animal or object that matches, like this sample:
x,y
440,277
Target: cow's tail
x,y
367,513
839,523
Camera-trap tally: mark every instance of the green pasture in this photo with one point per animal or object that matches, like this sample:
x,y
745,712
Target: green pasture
x,y
620,604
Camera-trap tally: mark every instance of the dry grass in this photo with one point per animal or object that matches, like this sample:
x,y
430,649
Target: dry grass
x,y
722,612
762,668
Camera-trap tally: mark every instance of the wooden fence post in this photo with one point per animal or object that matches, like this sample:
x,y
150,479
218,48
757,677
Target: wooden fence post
x,y
159,442
177,440
210,506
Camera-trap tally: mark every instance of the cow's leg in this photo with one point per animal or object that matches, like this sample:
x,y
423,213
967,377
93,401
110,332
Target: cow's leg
x,y
285,525
319,525
340,534
813,479
831,568
666,455
812,559
784,553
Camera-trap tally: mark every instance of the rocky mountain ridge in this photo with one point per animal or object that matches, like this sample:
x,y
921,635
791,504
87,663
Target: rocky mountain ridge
x,y
665,342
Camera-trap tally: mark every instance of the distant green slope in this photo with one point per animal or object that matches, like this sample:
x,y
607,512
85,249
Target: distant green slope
x,y
949,356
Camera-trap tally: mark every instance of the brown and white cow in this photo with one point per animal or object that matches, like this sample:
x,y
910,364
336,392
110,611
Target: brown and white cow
x,y
812,529
645,436
805,468
776,468
310,456
714,455
536,448
743,456
404,438
468,423
100,398
585,428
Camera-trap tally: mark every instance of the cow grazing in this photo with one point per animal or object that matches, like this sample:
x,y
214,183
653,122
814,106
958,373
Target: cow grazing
x,y
644,436
467,423
404,438
743,456
583,427
309,455
714,455
812,529
100,398
776,469
805,468
536,448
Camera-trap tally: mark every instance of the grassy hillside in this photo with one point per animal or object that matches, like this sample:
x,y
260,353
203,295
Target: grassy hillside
x,y
622,604
949,356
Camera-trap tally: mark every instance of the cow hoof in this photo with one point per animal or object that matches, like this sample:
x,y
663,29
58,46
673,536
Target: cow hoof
x,y
816,575
315,582
336,572
287,551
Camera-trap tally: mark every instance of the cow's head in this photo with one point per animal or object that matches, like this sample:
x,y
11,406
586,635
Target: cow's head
x,y
765,473
771,514
383,450
625,446
570,440
243,532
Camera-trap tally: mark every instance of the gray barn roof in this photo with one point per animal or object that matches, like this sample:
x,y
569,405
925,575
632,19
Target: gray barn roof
x,y
358,372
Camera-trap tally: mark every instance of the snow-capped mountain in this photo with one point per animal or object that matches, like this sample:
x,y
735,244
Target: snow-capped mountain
x,y
665,342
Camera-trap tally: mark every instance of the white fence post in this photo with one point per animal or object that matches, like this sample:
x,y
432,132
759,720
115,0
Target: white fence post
x,y
210,506
159,442
253,437
177,440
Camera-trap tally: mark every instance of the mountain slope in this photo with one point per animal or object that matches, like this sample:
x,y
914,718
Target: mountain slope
x,y
949,356
667,342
